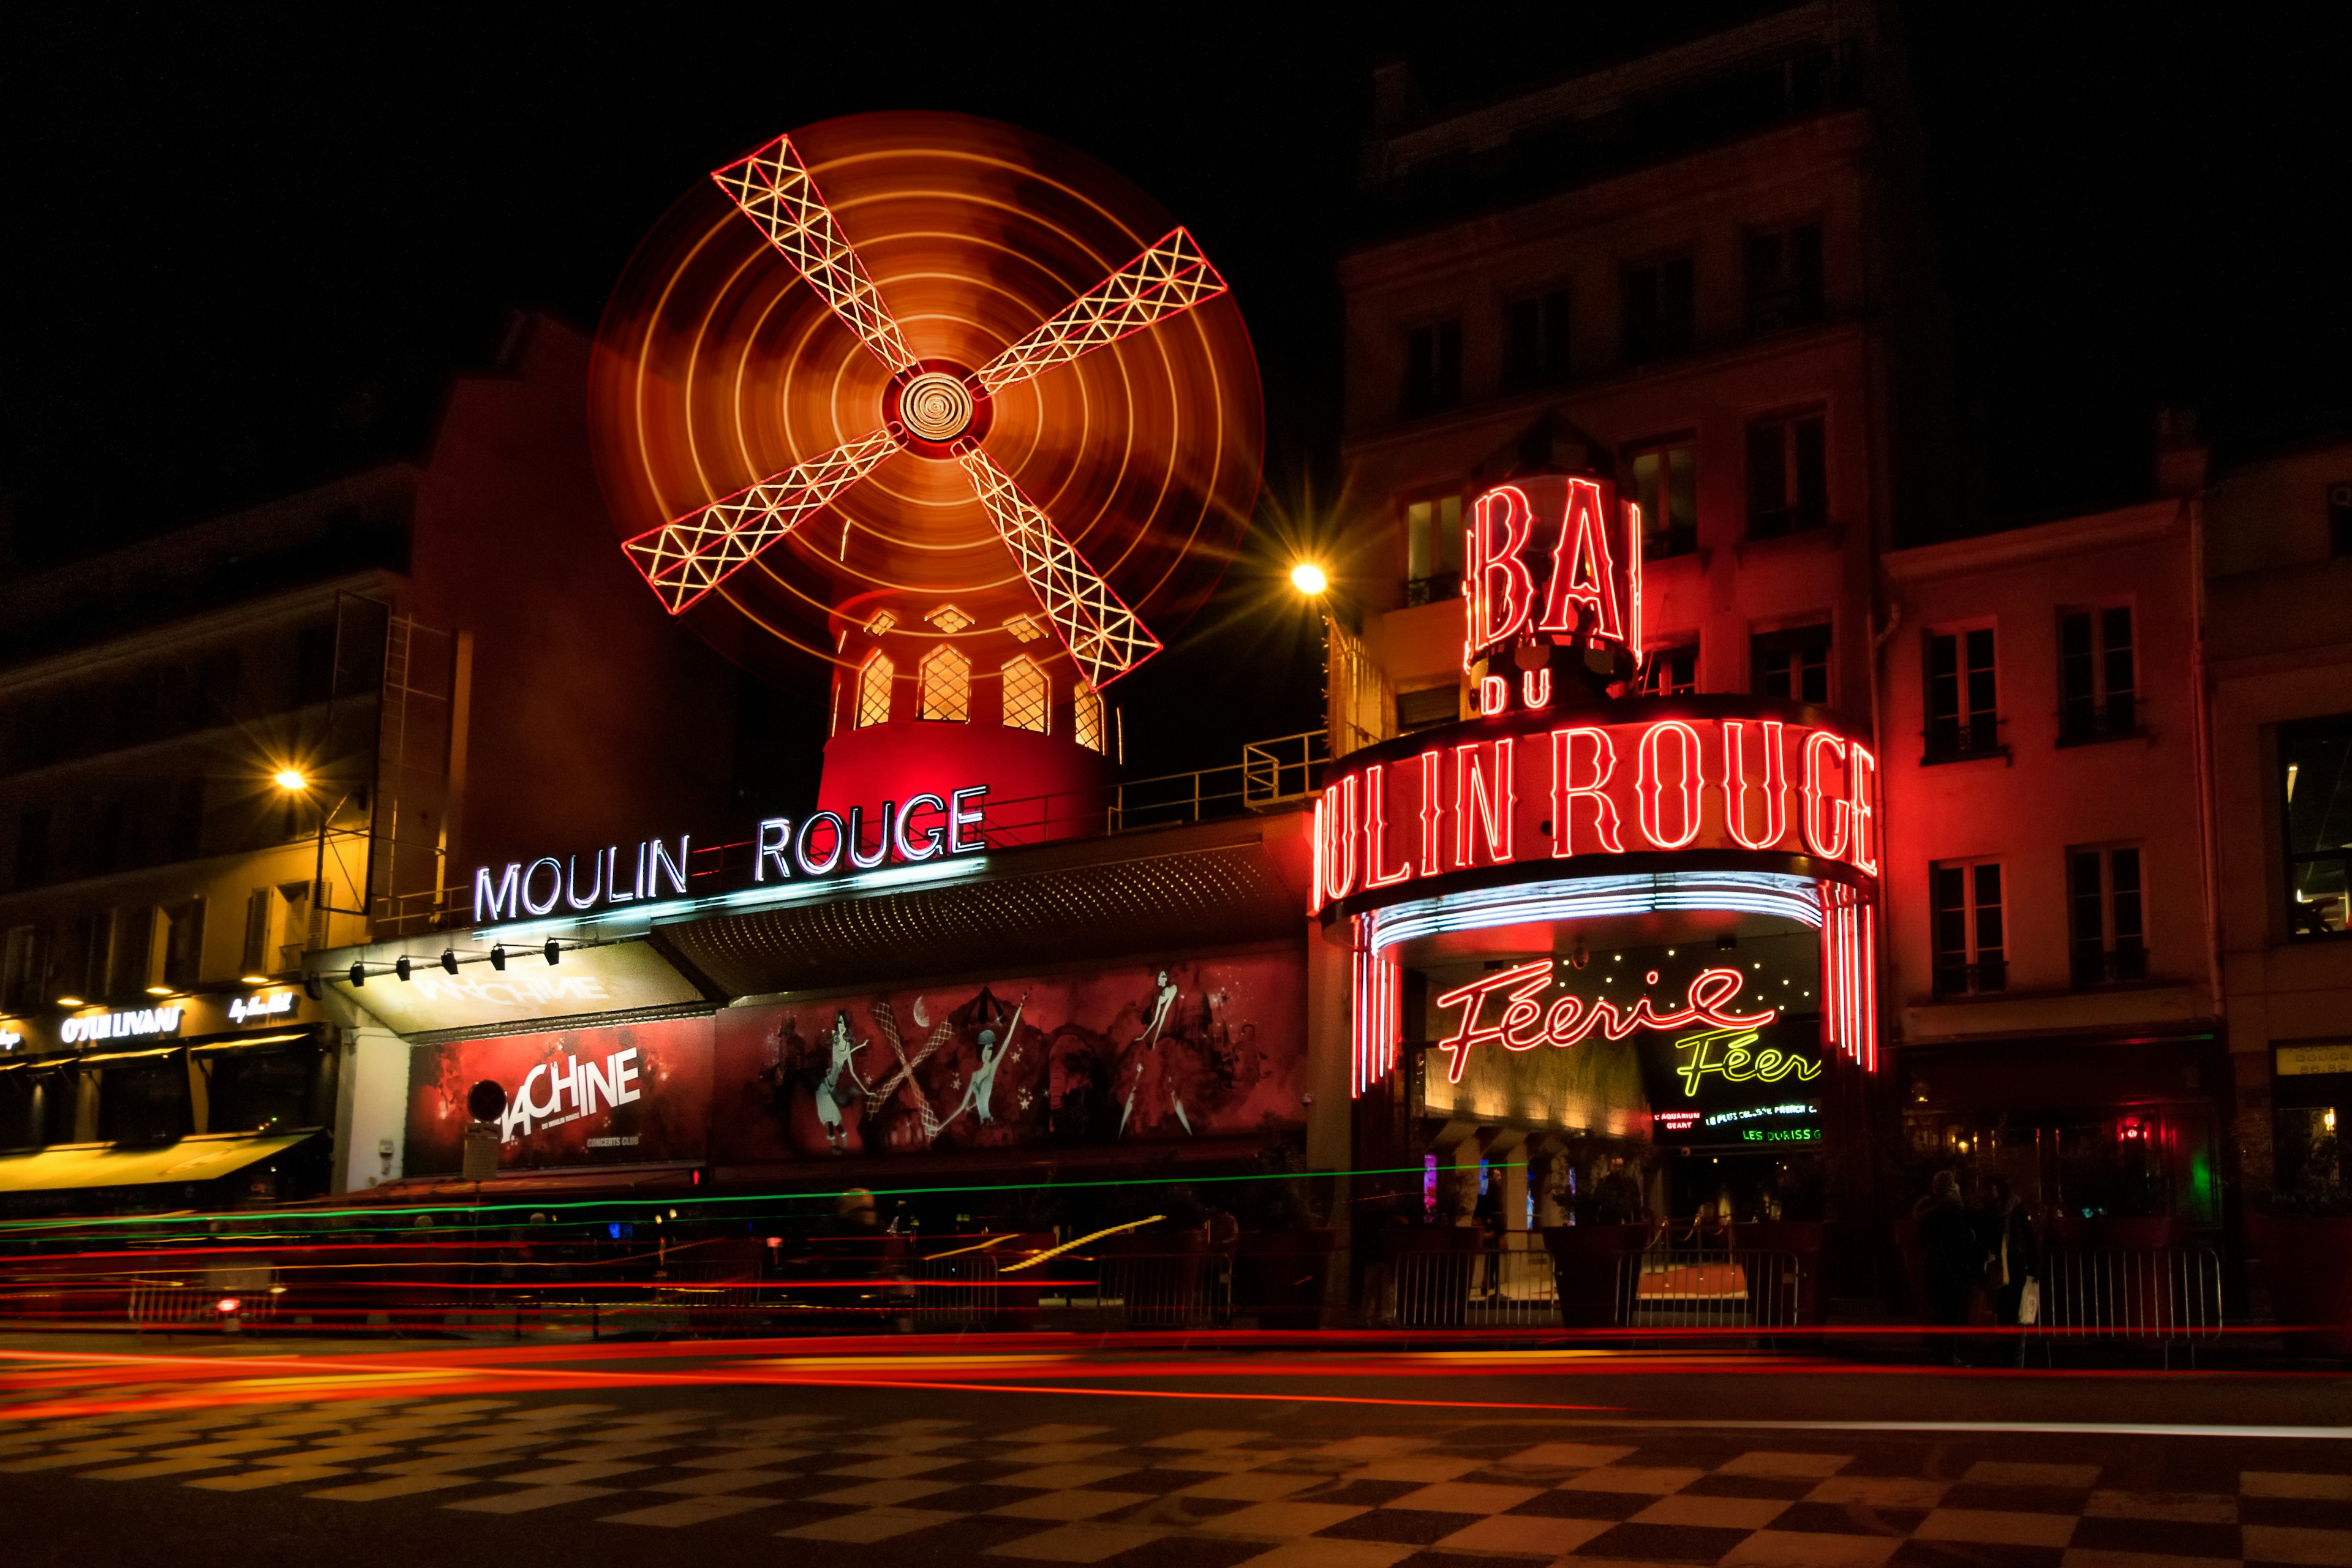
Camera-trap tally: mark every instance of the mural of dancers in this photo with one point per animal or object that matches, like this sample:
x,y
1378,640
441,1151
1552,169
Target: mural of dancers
x,y
1151,1066
830,1101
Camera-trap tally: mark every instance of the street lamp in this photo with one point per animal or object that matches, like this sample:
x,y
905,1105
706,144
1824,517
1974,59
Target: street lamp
x,y
1310,579
290,780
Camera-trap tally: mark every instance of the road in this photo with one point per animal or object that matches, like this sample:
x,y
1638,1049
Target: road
x,y
1143,1454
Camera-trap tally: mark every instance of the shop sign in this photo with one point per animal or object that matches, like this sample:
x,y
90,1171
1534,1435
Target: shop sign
x,y
1690,784
923,828
268,1008
1738,1085
2309,1061
615,977
130,1023
618,1094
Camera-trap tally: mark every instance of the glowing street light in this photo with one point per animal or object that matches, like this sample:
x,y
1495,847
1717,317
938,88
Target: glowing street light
x,y
290,780
1308,579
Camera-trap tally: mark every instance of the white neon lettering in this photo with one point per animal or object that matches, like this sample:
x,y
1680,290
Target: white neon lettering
x,y
931,845
503,900
808,831
957,818
613,894
571,881
775,834
858,855
531,906
676,868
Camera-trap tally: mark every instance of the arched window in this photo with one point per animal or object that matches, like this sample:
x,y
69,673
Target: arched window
x,y
1087,716
945,679
1028,703
874,689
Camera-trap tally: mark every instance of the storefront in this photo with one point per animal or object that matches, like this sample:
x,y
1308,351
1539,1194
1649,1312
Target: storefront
x,y
1612,956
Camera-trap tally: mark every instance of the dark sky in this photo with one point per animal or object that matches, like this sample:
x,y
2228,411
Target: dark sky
x,y
249,244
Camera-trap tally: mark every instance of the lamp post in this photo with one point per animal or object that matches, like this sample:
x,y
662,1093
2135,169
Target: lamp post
x,y
294,784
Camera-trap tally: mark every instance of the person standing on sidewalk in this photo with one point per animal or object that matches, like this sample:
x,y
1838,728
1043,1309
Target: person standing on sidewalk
x,y
1952,1259
2005,1231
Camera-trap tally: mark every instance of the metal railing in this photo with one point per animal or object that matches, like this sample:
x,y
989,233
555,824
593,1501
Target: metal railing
x,y
1510,1286
2159,1295
1271,774
1167,1291
1710,1287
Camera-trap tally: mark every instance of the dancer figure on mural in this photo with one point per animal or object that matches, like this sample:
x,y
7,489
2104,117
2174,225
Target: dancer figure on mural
x,y
830,1101
992,1052
1151,1064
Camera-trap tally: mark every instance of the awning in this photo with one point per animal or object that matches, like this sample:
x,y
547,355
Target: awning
x,y
97,1165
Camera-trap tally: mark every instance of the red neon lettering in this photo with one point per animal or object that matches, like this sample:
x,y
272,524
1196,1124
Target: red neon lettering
x,y
1818,838
1339,823
1735,783
1565,789
1534,688
1376,831
1315,861
1483,796
1633,580
1861,779
1580,570
1651,784
1501,593
1571,1020
1494,695
1432,815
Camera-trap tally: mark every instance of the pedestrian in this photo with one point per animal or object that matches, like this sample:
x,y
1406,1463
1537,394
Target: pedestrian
x,y
1952,1259
2005,1231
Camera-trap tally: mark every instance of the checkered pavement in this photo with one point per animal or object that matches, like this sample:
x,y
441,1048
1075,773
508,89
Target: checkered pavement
x,y
1216,1497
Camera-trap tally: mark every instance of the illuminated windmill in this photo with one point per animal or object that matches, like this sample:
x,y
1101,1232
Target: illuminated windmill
x,y
945,406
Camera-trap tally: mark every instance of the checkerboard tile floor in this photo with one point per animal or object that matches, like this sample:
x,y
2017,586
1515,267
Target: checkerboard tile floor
x,y
1216,1497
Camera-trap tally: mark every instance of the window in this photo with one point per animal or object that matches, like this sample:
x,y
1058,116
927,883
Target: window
x,y
33,844
1968,943
1087,716
1670,671
2103,892
1792,665
1027,704
1433,550
1666,487
24,970
183,946
259,1091
1433,368
1657,300
944,683
1787,475
1784,277
1428,707
2339,519
144,1101
2316,768
874,678
1961,720
2095,675
1536,339
266,930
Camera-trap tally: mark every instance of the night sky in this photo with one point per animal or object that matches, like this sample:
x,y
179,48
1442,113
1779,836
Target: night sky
x,y
249,245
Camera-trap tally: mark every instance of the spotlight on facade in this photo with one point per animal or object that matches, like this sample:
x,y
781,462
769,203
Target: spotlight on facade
x,y
359,975
311,988
1310,579
159,991
554,950
400,966
242,980
499,959
290,780
449,959
69,1002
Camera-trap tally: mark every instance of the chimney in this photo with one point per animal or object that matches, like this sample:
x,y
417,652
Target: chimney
x,y
2181,453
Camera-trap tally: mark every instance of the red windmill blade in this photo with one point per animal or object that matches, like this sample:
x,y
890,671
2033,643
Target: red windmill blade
x,y
931,410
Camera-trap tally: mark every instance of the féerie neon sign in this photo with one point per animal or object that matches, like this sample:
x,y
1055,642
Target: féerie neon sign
x,y
1524,1023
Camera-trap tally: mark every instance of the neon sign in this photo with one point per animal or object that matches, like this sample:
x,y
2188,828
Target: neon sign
x,y
925,827
1549,561
137,1023
1729,1054
1690,784
1524,1023
258,1009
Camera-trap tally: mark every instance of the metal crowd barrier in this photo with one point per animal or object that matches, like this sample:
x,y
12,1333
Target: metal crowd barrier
x,y
1509,1286
1708,1288
2160,1294
1170,1290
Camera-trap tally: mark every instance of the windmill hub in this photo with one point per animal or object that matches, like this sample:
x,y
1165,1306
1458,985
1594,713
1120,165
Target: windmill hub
x,y
935,409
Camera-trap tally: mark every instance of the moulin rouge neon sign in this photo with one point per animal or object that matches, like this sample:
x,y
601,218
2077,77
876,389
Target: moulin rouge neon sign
x,y
924,827
1550,561
1691,783
1523,1023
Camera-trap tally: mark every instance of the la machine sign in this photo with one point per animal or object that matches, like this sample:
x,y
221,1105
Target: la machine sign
x,y
822,844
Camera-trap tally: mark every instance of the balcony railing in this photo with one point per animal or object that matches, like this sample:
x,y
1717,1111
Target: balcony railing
x,y
1955,741
1985,976
2121,966
2084,722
